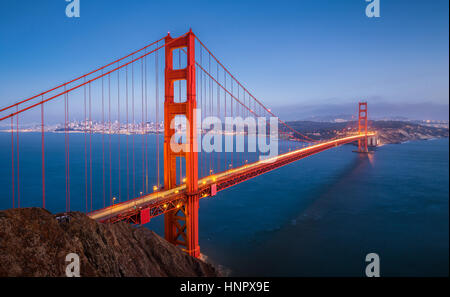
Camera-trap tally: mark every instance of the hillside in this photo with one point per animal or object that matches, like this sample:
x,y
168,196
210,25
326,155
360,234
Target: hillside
x,y
34,243
398,132
388,131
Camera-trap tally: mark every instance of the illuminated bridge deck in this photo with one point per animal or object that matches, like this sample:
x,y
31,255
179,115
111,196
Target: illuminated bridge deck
x,y
163,201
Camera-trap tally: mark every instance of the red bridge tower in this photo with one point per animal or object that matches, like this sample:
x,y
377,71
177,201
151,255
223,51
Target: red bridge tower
x,y
181,224
362,127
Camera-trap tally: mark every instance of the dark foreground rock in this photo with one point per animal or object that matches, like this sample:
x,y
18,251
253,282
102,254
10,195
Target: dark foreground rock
x,y
34,243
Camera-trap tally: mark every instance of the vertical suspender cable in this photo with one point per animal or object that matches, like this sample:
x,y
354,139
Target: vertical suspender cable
x,y
232,128
179,98
68,153
118,127
210,113
43,152
85,151
17,150
126,98
103,141
142,126
225,118
65,147
202,154
90,144
157,112
146,117
218,114
12,162
109,136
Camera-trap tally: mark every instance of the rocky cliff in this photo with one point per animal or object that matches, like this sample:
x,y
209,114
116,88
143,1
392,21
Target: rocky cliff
x,y
33,242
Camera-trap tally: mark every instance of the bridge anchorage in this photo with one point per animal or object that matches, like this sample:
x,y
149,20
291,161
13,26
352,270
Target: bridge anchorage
x,y
199,82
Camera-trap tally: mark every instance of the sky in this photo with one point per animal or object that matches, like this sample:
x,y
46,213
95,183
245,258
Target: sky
x,y
292,55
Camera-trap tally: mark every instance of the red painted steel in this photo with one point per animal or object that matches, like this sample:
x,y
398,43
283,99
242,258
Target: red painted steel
x,y
144,216
181,224
213,189
362,127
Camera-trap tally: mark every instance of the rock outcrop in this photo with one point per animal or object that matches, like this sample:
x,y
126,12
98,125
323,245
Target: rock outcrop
x,y
33,242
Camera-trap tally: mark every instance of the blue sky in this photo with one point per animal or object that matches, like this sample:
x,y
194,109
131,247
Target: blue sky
x,y
288,53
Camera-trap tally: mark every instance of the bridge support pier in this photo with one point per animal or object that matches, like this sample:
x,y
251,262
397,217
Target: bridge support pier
x,y
181,224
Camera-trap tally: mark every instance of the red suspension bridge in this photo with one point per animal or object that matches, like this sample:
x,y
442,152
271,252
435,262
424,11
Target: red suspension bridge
x,y
129,170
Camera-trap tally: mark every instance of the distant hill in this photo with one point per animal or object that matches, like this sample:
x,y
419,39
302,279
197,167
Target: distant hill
x,y
388,131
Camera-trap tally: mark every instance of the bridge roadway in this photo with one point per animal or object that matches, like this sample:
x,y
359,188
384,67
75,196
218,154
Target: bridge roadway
x,y
163,201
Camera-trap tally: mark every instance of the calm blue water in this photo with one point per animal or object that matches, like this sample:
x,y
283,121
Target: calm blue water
x,y
317,217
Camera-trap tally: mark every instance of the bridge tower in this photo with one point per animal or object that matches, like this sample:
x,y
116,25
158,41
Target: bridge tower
x,y
362,127
181,224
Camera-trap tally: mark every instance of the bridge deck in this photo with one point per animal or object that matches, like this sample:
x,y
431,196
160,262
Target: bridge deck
x,y
165,200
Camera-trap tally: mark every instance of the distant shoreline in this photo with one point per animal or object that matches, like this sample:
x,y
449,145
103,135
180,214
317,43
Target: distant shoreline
x,y
389,132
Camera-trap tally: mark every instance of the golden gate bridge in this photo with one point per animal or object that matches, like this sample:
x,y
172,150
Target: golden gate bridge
x,y
118,95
